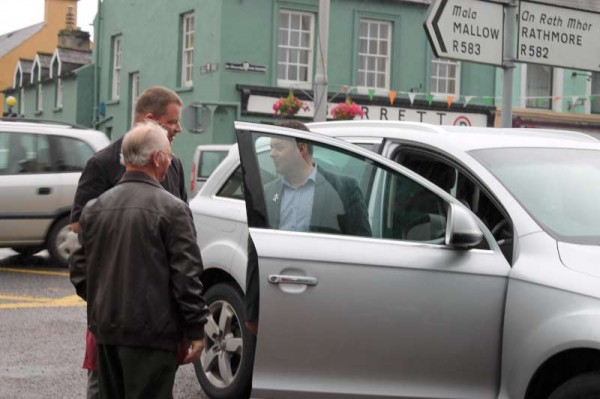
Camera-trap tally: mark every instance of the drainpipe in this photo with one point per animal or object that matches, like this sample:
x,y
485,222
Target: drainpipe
x,y
96,89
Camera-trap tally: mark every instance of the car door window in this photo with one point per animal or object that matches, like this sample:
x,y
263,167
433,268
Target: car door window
x,y
70,155
453,180
324,189
233,187
23,153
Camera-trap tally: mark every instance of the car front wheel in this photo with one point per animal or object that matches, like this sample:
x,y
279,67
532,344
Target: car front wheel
x,y
58,242
225,366
585,386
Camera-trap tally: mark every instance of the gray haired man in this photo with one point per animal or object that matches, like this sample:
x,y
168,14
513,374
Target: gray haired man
x,y
138,267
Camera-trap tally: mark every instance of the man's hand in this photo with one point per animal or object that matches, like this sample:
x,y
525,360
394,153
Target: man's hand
x,y
194,351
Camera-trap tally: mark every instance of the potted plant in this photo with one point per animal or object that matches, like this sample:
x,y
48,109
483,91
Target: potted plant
x,y
287,107
347,110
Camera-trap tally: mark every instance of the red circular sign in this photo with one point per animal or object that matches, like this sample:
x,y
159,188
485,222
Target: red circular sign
x,y
462,121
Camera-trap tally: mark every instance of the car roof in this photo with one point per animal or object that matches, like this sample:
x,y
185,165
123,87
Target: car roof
x,y
461,138
96,138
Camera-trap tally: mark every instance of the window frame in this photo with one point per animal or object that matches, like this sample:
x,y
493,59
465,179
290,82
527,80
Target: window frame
x,y
187,52
310,49
531,104
446,79
117,58
387,57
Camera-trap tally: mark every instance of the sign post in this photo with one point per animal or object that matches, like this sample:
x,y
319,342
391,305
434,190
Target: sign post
x,y
468,30
558,36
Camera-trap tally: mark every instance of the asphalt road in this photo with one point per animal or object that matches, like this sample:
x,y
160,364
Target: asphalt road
x,y
42,330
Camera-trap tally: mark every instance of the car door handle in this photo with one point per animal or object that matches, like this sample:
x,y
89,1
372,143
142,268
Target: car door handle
x,y
44,190
283,279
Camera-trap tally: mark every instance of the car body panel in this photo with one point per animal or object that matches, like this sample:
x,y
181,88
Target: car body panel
x,y
314,340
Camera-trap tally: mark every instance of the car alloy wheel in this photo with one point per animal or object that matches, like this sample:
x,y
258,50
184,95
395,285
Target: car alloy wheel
x,y
225,366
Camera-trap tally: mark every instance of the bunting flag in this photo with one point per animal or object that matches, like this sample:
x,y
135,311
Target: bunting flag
x,y
392,96
371,94
412,96
467,100
451,99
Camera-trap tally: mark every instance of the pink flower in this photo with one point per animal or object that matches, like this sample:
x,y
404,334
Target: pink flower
x,y
289,106
347,110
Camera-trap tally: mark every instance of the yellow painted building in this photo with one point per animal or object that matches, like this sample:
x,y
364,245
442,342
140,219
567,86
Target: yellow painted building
x,y
26,42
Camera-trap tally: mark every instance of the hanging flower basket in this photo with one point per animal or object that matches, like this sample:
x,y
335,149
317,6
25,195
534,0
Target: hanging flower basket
x,y
287,107
347,110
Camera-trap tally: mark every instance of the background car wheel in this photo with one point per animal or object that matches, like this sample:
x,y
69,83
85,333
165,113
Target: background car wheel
x,y
58,240
225,366
585,386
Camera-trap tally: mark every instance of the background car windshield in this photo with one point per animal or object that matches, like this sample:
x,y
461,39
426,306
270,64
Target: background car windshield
x,y
559,187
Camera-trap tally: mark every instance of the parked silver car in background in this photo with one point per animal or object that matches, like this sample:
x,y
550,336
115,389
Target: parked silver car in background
x,y
40,165
482,285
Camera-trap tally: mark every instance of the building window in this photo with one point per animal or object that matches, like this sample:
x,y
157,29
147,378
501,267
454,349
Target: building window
x,y
296,30
595,108
374,54
445,77
117,53
539,86
58,100
187,55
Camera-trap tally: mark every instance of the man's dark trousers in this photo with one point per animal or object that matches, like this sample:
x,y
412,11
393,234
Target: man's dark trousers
x,y
135,373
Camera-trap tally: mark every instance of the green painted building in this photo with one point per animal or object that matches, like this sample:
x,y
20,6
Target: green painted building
x,y
233,59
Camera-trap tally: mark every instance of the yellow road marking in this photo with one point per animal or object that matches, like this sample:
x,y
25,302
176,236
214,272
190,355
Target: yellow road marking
x,y
25,298
67,301
44,272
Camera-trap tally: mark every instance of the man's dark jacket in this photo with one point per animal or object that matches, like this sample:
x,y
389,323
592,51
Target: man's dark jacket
x,y
104,170
138,267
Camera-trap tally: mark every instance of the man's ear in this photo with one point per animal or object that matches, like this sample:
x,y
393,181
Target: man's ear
x,y
149,116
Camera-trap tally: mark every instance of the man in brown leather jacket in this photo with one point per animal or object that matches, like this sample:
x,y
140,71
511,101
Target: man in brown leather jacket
x,y
104,170
138,267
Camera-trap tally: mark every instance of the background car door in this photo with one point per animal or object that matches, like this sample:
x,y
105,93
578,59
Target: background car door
x,y
396,313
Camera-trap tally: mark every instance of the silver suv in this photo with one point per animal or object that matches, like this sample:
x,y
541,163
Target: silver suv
x,y
482,285
40,165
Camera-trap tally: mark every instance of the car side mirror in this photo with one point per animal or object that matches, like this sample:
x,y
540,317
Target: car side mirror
x,y
462,230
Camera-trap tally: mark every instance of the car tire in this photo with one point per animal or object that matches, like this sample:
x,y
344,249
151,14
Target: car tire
x,y
224,369
57,240
585,386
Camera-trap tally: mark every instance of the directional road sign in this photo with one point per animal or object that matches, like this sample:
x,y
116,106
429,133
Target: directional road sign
x,y
469,30
558,36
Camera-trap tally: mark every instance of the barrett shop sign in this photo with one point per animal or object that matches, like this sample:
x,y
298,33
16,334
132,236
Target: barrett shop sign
x,y
258,104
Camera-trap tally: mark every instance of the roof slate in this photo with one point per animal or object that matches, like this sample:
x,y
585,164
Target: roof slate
x,y
11,40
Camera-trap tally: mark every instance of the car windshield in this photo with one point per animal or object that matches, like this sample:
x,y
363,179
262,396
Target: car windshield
x,y
559,187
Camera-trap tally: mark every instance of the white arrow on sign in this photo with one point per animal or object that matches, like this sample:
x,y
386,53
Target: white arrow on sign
x,y
559,36
469,30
